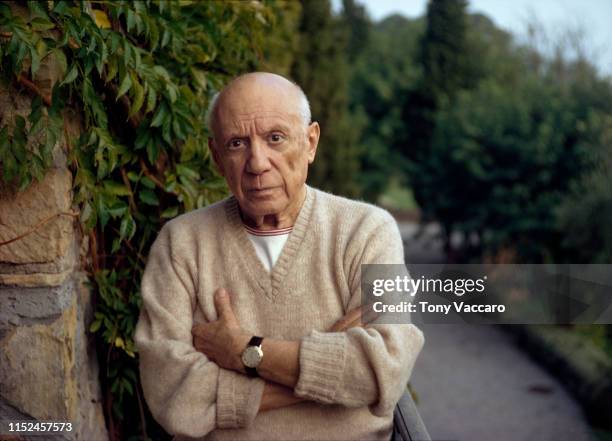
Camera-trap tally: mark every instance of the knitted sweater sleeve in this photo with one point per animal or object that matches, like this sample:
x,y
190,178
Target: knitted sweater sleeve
x,y
362,366
187,394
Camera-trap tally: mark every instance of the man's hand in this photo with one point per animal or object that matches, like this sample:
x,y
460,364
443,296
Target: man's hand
x,y
359,316
222,341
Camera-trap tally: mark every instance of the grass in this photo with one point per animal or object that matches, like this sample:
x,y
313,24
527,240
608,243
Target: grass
x,y
597,335
398,197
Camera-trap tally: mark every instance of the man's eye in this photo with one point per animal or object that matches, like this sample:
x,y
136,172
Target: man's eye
x,y
275,138
236,143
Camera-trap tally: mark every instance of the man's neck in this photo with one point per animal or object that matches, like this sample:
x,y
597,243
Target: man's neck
x,y
275,221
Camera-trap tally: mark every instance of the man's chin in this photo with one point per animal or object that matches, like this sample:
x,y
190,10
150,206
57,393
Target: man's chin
x,y
259,205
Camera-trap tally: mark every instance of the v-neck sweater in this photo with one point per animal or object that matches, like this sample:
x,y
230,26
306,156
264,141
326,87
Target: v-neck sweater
x,y
268,244
350,380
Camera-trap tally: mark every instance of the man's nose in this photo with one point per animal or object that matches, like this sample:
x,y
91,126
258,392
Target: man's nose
x,y
258,161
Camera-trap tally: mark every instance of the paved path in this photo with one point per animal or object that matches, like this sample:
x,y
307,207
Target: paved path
x,y
474,384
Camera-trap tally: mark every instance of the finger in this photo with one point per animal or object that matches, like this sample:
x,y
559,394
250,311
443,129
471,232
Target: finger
x,y
195,329
351,318
223,305
369,315
358,321
353,314
366,315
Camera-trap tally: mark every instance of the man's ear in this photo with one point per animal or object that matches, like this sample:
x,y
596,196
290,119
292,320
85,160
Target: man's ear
x,y
215,155
314,133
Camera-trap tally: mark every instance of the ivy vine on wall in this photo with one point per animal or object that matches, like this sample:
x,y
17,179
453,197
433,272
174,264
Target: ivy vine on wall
x,y
137,77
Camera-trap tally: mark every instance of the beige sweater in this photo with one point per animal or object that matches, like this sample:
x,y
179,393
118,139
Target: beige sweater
x,y
352,380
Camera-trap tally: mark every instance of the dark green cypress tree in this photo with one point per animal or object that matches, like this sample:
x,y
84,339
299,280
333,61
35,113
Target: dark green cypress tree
x,y
320,67
444,49
357,23
444,58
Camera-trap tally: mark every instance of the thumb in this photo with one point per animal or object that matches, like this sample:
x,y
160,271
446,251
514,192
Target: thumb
x,y
223,305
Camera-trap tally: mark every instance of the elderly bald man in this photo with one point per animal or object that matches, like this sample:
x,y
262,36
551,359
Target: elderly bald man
x,y
251,326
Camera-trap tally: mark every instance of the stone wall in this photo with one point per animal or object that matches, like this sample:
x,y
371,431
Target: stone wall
x,y
48,366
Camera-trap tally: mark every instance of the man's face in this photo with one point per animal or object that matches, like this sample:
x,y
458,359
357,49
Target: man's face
x,y
263,148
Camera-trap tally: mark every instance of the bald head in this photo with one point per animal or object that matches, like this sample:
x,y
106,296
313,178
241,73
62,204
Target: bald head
x,y
260,90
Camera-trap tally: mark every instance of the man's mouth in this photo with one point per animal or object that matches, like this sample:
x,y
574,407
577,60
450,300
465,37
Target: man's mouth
x,y
261,190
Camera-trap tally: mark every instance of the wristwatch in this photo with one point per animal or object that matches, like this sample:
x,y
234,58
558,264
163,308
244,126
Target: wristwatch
x,y
252,356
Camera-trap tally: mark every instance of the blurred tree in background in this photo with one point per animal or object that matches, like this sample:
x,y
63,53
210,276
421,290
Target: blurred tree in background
x,y
493,141
382,74
493,138
443,56
321,68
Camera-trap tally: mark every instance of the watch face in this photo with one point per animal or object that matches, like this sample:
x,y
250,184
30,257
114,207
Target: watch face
x,y
251,357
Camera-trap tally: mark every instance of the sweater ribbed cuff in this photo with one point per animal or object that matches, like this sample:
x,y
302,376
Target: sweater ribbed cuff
x,y
322,359
238,399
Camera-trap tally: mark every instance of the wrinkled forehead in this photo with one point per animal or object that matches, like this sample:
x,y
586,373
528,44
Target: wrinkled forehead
x,y
263,105
261,121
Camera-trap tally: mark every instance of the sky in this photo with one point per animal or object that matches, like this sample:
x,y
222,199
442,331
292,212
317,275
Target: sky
x,y
592,17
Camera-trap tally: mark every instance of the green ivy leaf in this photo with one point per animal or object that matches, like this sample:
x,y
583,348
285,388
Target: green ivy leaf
x,y
128,386
130,20
41,24
61,7
172,92
165,38
116,245
19,132
71,76
169,213
35,59
152,152
160,115
21,52
95,325
138,98
126,83
102,56
116,189
92,100
184,170
142,138
148,197
37,9
9,166
60,59
127,228
118,210
147,182
37,126
111,69
102,212
151,99
115,40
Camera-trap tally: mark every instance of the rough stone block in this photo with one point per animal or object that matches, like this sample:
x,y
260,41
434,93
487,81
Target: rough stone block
x,y
22,212
26,306
36,368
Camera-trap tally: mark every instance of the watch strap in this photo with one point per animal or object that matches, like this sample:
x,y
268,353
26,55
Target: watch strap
x,y
255,341
250,371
